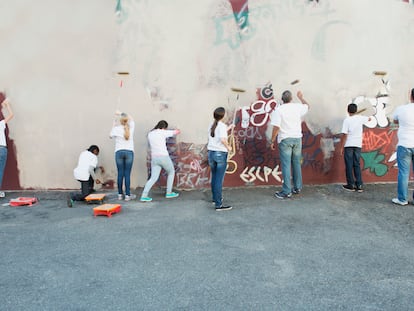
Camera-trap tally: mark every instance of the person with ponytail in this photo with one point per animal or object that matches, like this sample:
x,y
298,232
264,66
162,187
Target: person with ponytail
x,y
160,159
123,133
218,148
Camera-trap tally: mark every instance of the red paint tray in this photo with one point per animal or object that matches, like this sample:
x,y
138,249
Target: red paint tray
x,y
106,209
21,201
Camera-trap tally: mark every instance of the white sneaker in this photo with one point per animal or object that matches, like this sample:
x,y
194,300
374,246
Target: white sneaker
x,y
2,194
397,201
130,197
120,197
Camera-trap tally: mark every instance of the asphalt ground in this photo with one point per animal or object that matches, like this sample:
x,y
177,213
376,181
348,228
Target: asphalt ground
x,y
325,249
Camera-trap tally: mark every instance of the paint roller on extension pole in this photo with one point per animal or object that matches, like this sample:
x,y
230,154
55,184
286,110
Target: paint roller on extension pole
x,y
121,85
367,106
237,91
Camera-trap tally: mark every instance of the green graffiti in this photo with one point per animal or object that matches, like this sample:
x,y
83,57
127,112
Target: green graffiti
x,y
373,161
225,33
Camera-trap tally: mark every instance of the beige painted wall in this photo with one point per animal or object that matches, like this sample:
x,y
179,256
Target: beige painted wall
x,y
59,61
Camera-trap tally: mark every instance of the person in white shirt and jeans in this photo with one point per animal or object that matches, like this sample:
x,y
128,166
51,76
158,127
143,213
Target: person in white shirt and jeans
x,y
404,117
123,134
352,129
287,126
218,148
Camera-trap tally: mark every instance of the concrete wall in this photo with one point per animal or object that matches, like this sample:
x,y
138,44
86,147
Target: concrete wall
x,y
59,63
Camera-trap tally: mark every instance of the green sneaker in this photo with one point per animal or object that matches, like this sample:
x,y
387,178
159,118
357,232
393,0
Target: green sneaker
x,y
145,199
69,201
171,195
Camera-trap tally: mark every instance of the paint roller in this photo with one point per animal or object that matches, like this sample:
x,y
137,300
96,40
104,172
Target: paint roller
x,y
121,84
236,90
294,82
379,73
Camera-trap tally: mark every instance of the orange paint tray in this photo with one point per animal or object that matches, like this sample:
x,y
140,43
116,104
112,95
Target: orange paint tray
x,y
95,198
106,209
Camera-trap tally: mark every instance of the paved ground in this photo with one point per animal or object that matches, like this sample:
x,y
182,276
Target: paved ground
x,y
325,249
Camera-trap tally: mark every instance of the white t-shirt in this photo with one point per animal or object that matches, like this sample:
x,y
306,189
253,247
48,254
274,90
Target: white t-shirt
x,y
121,143
288,117
157,140
214,143
353,127
86,160
2,133
405,116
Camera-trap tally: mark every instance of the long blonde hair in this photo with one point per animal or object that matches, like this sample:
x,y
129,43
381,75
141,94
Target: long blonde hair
x,y
124,120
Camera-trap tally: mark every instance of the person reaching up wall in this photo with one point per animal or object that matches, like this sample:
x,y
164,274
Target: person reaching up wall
x,y
160,159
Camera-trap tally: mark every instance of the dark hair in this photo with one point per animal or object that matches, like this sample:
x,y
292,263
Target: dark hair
x,y
286,96
218,115
92,148
352,108
412,94
161,125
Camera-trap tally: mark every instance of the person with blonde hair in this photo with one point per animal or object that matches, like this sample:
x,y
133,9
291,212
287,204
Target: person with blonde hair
x,y
3,145
123,133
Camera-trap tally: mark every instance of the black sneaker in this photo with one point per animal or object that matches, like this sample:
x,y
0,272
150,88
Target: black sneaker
x,y
69,201
359,189
223,208
281,195
296,191
348,187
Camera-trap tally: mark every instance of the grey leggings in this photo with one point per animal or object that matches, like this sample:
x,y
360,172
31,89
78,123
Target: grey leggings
x,y
158,163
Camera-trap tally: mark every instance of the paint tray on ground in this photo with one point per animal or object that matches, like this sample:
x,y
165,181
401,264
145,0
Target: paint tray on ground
x,y
106,210
95,198
22,201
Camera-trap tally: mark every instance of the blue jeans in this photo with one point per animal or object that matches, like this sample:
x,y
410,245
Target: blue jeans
x,y
158,163
218,165
352,157
290,152
405,156
124,160
3,159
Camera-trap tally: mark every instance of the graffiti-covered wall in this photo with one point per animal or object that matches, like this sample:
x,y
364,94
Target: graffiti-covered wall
x,y
61,62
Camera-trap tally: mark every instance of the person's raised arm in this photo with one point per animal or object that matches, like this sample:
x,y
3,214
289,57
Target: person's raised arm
x,y
299,94
10,114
